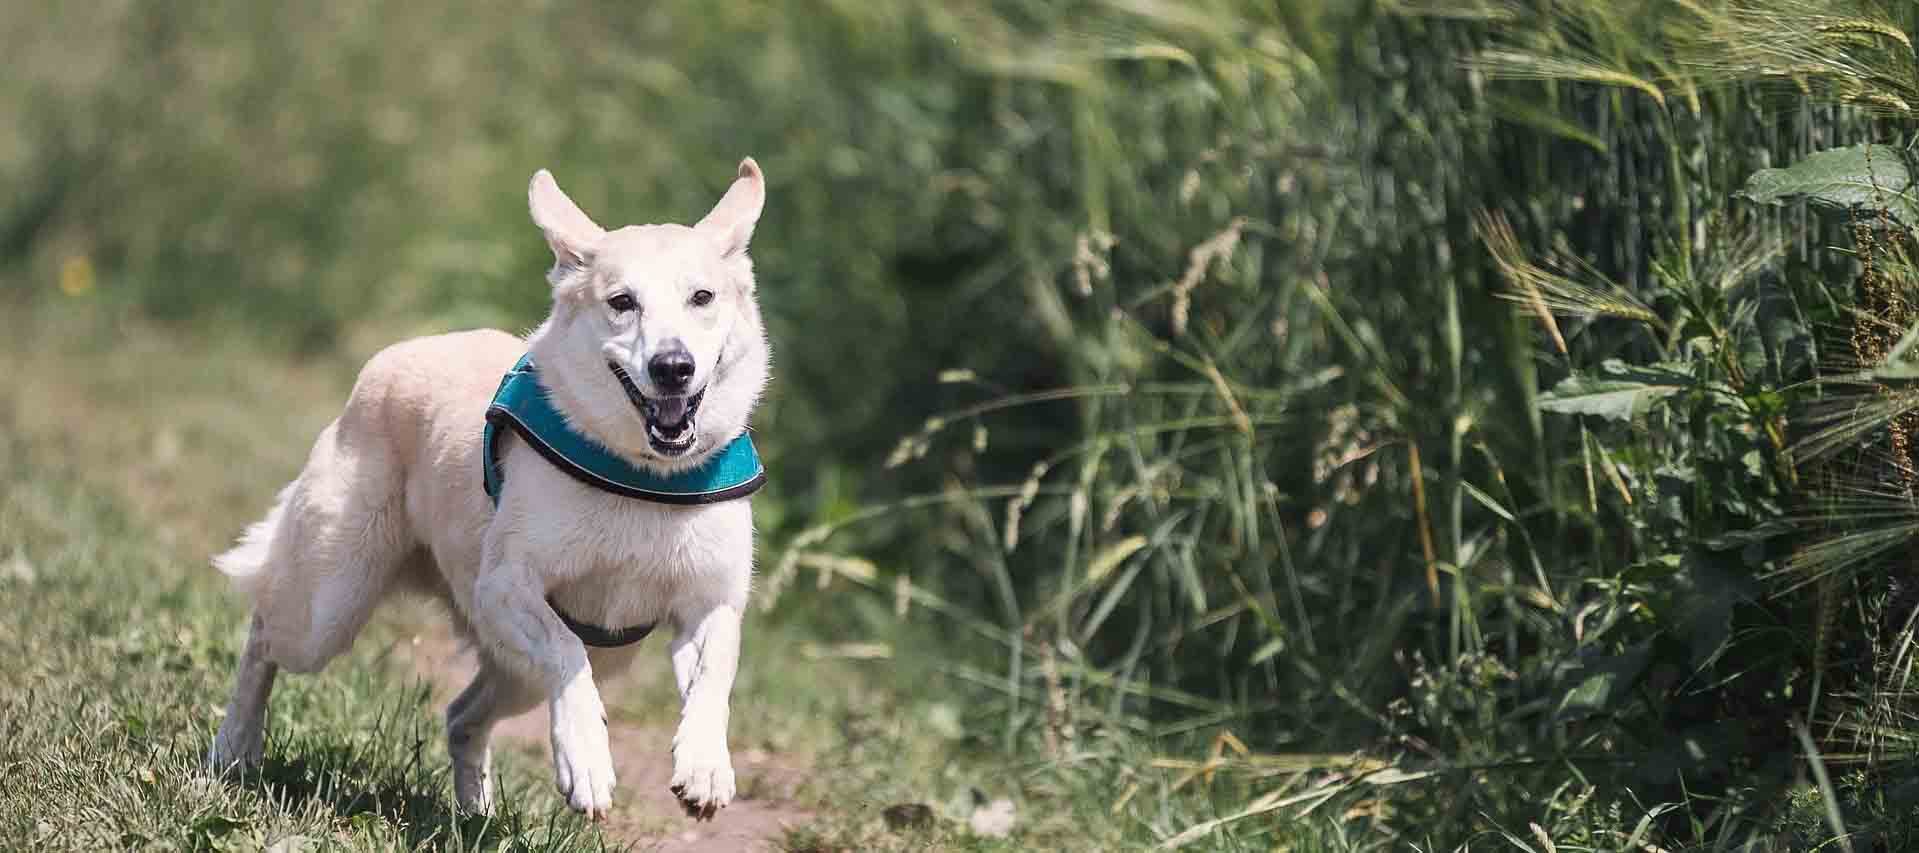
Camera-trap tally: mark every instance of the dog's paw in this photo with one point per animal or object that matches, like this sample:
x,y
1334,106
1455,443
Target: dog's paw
x,y
223,763
236,751
582,763
472,787
702,774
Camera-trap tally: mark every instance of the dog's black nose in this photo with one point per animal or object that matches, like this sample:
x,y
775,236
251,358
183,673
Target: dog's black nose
x,y
671,369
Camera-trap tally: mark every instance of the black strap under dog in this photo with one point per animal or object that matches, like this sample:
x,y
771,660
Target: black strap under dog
x,y
598,637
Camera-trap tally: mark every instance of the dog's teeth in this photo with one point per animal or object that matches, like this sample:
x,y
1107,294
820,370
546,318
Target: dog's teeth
x,y
674,439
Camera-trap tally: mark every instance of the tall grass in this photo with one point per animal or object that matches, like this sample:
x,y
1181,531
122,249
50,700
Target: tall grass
x,y
1317,502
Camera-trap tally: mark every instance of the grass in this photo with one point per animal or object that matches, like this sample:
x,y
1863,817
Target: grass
x,y
120,651
125,465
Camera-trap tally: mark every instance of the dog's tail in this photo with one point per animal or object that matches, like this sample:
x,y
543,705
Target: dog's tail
x,y
245,563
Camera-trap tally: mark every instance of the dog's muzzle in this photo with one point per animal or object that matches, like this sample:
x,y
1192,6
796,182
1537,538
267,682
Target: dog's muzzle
x,y
669,420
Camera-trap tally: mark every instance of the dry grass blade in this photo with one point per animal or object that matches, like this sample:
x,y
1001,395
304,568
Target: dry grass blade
x,y
1546,292
1864,26
1847,552
1111,556
1846,419
1745,258
1521,65
1610,468
1015,508
1199,260
1857,58
1424,522
1268,803
1240,421
1499,238
830,565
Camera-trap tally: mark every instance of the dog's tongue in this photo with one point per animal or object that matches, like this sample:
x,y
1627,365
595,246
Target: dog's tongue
x,y
670,412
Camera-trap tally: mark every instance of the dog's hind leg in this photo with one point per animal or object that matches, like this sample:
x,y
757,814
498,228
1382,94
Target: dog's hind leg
x,y
492,696
242,739
339,539
314,568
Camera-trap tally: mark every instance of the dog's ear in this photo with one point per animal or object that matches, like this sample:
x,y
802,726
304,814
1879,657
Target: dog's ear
x,y
730,224
568,230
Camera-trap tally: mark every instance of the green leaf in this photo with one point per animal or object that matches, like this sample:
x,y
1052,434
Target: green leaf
x,y
1863,176
1600,681
1618,399
1757,535
1488,501
1265,652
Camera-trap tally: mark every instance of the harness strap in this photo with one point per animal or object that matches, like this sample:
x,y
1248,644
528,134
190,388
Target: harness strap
x,y
598,637
521,405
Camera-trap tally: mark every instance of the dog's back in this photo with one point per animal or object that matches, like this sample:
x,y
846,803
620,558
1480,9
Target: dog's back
x,y
403,455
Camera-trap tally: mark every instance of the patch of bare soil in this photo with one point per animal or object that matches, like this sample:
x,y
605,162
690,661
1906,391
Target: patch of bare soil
x,y
645,814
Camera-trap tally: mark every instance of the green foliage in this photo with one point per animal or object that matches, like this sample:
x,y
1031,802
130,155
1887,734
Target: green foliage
x,y
1620,399
1862,177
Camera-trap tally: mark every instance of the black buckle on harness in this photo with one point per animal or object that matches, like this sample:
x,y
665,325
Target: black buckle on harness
x,y
598,637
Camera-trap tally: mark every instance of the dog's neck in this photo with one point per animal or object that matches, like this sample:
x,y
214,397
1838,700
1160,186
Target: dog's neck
x,y
591,400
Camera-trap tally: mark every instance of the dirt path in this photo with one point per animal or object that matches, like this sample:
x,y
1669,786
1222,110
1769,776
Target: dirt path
x,y
645,814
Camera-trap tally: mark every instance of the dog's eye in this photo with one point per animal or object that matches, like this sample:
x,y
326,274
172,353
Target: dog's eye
x,y
621,302
702,297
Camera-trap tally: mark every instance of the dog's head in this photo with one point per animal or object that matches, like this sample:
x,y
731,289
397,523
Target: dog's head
x,y
655,346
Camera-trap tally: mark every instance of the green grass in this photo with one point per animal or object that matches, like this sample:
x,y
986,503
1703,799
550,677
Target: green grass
x,y
119,655
125,466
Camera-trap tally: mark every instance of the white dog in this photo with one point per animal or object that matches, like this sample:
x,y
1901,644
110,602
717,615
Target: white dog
x,y
652,359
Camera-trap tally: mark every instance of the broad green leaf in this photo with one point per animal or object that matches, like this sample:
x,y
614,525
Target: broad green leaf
x,y
1862,176
1618,399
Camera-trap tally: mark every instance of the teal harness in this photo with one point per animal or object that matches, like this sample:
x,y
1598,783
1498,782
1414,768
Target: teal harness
x,y
521,405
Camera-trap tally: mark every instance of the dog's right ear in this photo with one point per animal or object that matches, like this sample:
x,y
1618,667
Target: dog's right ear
x,y
569,231
731,222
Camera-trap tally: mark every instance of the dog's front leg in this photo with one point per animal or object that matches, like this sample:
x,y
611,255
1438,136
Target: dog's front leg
x,y
706,654
511,616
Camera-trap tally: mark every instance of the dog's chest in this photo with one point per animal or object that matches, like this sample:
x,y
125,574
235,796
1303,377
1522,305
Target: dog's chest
x,y
618,561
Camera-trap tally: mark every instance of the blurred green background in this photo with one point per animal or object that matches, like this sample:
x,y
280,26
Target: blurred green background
x,y
1411,405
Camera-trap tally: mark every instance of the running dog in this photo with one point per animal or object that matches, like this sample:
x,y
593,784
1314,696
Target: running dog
x,y
561,494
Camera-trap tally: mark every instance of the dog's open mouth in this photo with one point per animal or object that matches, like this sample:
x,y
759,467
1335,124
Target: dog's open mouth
x,y
669,420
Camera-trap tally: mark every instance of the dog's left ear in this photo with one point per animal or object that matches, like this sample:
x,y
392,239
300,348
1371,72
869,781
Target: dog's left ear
x,y
730,224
